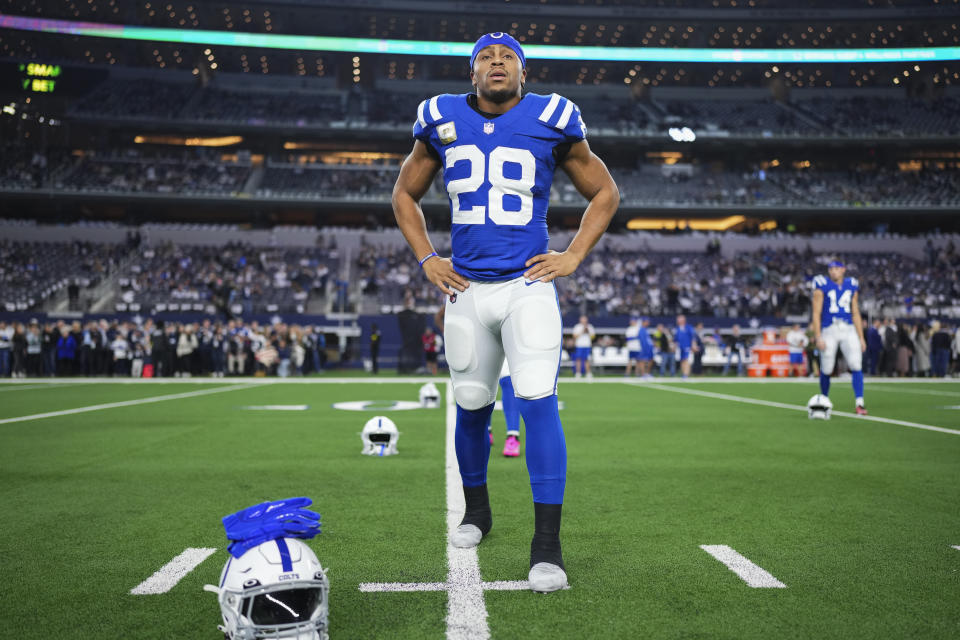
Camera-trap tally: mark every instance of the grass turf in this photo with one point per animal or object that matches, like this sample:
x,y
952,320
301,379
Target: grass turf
x,y
857,518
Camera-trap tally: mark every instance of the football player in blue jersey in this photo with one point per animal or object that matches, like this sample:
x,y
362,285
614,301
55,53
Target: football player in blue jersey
x,y
498,149
837,324
632,335
686,342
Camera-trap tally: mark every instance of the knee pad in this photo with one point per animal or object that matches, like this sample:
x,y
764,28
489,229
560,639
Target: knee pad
x,y
535,380
472,395
458,340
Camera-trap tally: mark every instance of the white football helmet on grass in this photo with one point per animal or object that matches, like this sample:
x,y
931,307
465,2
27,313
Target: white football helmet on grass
x,y
819,407
429,396
275,590
379,437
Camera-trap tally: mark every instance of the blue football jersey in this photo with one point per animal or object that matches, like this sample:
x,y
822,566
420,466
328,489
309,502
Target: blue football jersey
x,y
498,174
837,299
646,342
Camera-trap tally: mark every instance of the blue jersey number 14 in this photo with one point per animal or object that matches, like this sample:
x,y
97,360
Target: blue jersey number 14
x,y
500,185
842,303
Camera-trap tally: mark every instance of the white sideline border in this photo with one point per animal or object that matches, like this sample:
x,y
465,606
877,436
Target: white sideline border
x,y
782,405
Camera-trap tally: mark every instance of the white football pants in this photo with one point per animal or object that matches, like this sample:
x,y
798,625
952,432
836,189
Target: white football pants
x,y
844,337
492,320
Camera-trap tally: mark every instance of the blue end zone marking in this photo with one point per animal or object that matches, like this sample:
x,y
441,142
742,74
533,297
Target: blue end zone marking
x,y
284,555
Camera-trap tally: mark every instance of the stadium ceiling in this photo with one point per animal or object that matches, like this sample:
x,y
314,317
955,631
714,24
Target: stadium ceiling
x,y
463,49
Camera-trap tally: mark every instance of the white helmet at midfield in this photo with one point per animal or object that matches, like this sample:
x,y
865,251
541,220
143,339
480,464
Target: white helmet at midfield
x,y
379,437
819,407
429,396
275,590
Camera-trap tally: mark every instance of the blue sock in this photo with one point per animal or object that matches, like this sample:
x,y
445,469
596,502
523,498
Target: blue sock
x,y
511,410
473,444
857,383
546,450
824,384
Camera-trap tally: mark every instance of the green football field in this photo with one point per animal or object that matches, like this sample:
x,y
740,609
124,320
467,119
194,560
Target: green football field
x,y
855,519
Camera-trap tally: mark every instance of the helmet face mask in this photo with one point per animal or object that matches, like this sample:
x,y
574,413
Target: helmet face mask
x,y
819,407
276,590
379,437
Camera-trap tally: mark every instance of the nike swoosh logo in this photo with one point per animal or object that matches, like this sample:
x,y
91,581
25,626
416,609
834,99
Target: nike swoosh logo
x,y
530,282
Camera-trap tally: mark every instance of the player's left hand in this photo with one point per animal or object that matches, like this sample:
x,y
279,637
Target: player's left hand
x,y
550,266
863,345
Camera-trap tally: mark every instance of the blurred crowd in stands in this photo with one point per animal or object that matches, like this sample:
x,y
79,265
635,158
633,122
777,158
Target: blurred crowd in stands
x,y
765,282
231,279
195,173
239,280
163,349
233,348
605,111
31,272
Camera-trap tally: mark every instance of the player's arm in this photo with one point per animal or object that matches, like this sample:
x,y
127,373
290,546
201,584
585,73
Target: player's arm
x,y
592,179
857,319
815,319
416,175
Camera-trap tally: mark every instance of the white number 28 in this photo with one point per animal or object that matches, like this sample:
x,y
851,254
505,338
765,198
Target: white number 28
x,y
500,185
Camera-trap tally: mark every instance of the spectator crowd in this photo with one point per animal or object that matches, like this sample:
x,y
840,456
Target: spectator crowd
x,y
160,349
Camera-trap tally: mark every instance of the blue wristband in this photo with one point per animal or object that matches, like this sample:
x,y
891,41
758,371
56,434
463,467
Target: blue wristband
x,y
428,256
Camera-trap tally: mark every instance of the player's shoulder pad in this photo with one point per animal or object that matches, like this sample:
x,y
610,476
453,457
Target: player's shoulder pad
x,y
853,283
819,281
558,113
432,112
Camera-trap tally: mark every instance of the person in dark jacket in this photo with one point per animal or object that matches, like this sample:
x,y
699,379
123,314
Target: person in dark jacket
x,y
939,350
19,351
874,346
375,347
890,343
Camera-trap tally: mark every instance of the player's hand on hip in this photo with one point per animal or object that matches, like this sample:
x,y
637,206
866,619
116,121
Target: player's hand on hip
x,y
441,273
550,266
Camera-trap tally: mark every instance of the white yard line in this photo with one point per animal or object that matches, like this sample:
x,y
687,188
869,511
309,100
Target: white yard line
x,y
124,403
407,587
25,387
466,609
170,574
750,573
796,407
401,587
926,392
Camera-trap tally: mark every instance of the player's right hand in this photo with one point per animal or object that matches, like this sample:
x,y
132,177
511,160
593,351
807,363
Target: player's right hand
x,y
821,344
441,273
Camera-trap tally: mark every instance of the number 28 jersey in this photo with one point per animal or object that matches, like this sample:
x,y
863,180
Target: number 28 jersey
x,y
498,173
837,299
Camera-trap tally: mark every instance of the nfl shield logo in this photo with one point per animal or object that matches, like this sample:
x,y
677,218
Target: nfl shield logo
x,y
488,127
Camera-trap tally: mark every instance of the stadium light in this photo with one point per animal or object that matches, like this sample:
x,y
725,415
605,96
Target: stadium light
x,y
463,49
